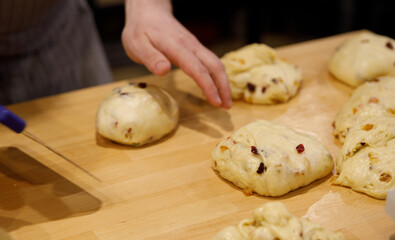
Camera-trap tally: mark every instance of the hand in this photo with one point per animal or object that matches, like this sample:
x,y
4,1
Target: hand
x,y
153,37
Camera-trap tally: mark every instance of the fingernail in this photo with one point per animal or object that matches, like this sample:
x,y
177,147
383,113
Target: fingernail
x,y
230,103
160,66
218,100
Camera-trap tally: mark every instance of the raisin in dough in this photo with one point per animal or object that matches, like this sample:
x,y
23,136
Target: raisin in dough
x,y
372,99
363,58
273,221
137,114
257,75
270,159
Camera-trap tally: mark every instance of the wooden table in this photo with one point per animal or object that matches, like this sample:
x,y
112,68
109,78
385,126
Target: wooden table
x,y
168,190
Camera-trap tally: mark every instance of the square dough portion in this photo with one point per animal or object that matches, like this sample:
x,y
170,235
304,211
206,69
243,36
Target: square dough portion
x,y
372,99
372,132
366,162
363,58
273,221
257,75
270,159
366,126
371,171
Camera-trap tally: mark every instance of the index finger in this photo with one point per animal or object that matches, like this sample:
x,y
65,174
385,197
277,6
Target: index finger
x,y
218,74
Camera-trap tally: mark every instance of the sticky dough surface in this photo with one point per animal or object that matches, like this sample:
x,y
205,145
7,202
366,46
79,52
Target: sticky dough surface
x,y
262,157
273,221
137,114
366,126
363,58
257,75
370,170
372,99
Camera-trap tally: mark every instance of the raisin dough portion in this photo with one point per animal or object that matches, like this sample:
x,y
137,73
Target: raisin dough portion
x,y
137,114
366,162
273,221
363,58
371,170
257,75
372,132
366,126
372,99
270,159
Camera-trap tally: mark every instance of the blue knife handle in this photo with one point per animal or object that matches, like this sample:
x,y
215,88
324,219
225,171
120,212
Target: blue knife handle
x,y
11,120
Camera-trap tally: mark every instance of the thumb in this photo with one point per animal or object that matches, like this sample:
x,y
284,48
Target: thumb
x,y
142,51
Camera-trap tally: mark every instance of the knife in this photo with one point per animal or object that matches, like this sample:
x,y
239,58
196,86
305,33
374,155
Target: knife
x,y
18,125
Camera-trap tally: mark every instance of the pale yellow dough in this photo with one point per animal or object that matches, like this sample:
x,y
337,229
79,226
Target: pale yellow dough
x,y
257,75
273,221
137,114
372,99
366,162
276,167
363,58
371,132
370,170
366,126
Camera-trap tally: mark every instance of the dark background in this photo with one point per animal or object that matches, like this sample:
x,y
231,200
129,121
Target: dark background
x,y
226,25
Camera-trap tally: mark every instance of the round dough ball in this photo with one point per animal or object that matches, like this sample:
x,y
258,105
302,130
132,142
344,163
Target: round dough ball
x,y
137,114
363,58
271,159
257,75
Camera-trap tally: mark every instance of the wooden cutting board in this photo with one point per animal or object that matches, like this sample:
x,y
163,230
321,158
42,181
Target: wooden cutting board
x,y
168,190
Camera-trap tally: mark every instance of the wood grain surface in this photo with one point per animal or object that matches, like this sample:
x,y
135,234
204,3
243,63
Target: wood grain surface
x,y
167,190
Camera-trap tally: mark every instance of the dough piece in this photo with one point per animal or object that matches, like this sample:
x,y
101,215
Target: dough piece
x,y
371,170
372,99
363,58
270,159
372,132
366,162
257,75
273,221
366,126
137,114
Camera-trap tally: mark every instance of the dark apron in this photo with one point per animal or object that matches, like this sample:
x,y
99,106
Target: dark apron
x,y
62,52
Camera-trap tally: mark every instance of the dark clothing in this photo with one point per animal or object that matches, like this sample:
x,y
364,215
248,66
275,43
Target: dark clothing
x,y
58,50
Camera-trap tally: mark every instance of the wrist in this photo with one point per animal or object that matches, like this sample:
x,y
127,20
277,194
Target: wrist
x,y
138,4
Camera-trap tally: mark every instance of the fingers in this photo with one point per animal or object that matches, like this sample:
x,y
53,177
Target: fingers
x,y
178,46
201,65
192,66
218,74
142,51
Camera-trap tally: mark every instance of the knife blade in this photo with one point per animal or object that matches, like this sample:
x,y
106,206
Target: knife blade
x,y
18,125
